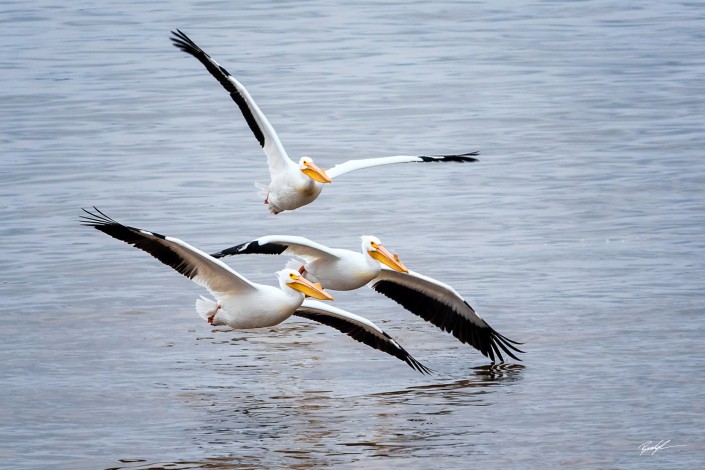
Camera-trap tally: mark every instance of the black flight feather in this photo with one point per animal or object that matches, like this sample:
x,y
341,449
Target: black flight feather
x,y
185,43
362,335
141,239
483,338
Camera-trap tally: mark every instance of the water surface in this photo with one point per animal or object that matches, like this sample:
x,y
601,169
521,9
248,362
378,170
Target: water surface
x,y
579,233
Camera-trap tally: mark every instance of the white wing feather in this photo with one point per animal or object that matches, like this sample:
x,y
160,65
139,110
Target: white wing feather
x,y
352,165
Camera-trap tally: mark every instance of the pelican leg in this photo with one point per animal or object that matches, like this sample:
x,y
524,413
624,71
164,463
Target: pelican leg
x,y
211,317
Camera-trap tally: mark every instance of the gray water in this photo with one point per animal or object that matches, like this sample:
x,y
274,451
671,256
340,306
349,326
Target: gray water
x,y
579,232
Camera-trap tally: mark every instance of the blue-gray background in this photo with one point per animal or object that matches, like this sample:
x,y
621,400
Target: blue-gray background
x,y
580,232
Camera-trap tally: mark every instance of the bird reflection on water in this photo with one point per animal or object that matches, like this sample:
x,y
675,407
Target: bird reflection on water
x,y
485,376
309,428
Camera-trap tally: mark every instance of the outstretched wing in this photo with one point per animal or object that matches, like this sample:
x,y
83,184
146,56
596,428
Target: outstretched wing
x,y
277,159
358,328
353,165
440,304
281,245
198,266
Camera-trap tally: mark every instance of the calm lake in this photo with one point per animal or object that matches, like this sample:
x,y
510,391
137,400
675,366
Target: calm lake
x,y
580,232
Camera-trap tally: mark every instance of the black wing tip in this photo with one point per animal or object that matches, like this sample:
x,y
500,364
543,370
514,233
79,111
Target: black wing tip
x,y
181,41
178,36
404,355
253,247
96,219
233,250
417,366
105,223
459,158
499,343
504,338
141,239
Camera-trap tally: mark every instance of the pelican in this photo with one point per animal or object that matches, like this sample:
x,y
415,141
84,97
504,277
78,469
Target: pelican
x,y
430,299
292,185
242,304
339,269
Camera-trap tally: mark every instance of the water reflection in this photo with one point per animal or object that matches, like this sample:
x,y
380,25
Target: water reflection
x,y
485,376
578,229
303,427
215,463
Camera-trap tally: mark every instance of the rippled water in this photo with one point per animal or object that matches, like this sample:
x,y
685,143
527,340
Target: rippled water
x,y
579,233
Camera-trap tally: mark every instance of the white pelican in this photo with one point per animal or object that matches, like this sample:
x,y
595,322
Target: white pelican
x,y
432,300
292,185
339,269
241,304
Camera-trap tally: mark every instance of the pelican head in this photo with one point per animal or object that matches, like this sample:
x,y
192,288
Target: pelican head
x,y
310,169
373,247
296,281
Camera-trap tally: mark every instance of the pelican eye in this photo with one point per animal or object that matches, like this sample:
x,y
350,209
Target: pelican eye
x,y
292,276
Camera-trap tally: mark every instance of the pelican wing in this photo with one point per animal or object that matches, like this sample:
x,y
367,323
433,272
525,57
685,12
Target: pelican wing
x,y
281,245
277,159
198,266
353,165
359,329
441,305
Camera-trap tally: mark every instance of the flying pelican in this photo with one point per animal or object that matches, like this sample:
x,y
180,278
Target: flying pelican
x,y
340,269
241,304
430,299
292,185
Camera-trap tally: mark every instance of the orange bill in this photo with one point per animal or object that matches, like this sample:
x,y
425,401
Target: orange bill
x,y
316,173
385,257
310,289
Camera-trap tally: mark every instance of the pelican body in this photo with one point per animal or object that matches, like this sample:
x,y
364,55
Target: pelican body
x,y
293,186
261,306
